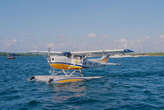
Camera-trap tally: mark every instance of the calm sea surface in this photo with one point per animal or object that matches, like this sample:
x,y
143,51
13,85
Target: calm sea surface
x,y
137,84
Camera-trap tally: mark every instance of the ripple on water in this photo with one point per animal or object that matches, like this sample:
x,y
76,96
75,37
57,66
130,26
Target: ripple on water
x,y
137,84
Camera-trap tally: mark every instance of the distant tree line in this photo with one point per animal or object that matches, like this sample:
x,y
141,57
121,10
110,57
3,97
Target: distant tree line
x,y
21,54
41,54
151,54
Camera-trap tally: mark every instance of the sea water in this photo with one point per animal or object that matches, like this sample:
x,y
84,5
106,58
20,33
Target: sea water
x,y
137,84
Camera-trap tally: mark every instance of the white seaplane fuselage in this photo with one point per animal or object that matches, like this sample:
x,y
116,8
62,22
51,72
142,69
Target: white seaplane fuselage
x,y
78,62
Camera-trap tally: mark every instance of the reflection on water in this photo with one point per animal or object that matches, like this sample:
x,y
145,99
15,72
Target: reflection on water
x,y
64,92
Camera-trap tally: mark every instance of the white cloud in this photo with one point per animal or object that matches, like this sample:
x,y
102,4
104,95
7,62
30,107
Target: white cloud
x,y
51,45
60,35
162,36
92,35
147,37
123,40
106,36
10,43
14,41
124,43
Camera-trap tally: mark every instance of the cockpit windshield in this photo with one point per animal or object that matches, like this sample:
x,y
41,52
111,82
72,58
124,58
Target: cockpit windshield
x,y
67,54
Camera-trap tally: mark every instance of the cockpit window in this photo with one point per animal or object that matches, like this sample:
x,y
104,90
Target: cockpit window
x,y
67,54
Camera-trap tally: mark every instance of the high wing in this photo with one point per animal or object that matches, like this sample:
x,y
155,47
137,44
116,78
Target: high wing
x,y
89,53
101,52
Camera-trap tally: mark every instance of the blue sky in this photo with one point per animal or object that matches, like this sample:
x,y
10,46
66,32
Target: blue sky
x,y
27,25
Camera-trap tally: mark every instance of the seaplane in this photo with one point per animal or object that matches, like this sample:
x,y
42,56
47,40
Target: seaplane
x,y
67,67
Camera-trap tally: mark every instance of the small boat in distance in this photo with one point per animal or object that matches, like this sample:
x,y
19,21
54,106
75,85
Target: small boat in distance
x,y
11,56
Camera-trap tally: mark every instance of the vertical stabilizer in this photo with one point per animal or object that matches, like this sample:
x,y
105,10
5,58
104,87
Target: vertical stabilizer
x,y
104,59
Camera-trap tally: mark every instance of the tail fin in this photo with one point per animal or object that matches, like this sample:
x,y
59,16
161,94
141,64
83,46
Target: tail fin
x,y
104,59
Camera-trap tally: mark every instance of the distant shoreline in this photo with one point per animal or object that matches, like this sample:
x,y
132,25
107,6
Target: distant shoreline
x,y
38,54
20,54
149,54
